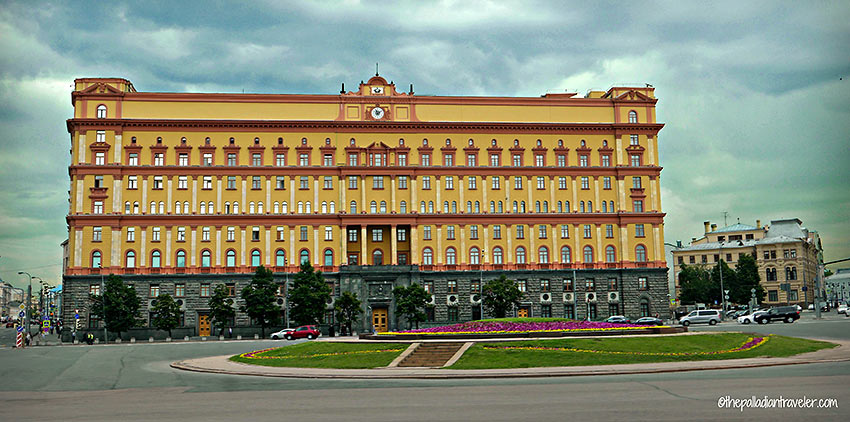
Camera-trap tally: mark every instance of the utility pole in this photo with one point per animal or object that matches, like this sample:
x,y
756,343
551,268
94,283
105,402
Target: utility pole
x,y
29,301
725,214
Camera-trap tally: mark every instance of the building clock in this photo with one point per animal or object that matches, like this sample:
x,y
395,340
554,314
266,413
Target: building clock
x,y
377,113
377,90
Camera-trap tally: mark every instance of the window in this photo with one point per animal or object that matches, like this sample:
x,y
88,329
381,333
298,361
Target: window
x,y
231,159
352,182
543,255
304,182
566,256
562,182
280,160
181,259
497,255
402,182
179,290
588,254
473,231
230,258
495,184
448,160
582,160
208,159
256,182
96,259
632,117
636,184
207,182
426,233
606,160
401,235
206,256
133,159
156,259
205,289
426,182
101,111
520,255
450,232
329,258
474,256
639,230
609,230
634,160
328,160
280,233
520,231
451,286
205,234
772,296
158,159
522,285
640,253
303,233
516,160
589,284
517,183
377,182
154,290
377,235
539,160
231,234
183,159
587,232
451,256
97,207
585,183
610,254
255,258
452,313
328,182
495,160
569,311
131,234
181,234
352,235
637,204
132,182
565,231
280,258
427,256
100,136
402,208
546,311
401,159
473,182
471,160
561,160
633,140
497,232
130,259
541,182
303,159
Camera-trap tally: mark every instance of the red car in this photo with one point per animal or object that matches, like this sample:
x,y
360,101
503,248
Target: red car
x,y
309,331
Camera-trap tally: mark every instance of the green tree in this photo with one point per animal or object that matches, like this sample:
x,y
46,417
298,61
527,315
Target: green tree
x,y
259,297
500,296
122,305
827,272
695,285
410,302
730,281
309,296
166,313
747,273
221,308
348,310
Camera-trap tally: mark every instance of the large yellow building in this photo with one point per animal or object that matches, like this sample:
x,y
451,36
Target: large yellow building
x,y
178,192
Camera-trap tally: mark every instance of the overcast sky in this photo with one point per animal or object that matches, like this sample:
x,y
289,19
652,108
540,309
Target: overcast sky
x,y
757,115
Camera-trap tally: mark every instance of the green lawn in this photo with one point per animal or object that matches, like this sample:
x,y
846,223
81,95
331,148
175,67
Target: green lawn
x,y
329,355
478,357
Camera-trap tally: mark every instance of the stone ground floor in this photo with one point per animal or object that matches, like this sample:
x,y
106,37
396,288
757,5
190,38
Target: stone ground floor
x,y
579,294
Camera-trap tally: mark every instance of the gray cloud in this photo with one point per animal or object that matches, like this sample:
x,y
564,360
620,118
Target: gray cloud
x,y
756,118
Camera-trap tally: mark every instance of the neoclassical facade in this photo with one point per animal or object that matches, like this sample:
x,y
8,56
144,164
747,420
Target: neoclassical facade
x,y
179,192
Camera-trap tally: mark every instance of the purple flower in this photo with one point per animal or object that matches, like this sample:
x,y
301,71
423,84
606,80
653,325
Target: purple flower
x,y
501,326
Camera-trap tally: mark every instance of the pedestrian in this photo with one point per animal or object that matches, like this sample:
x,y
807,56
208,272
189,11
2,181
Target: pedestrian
x,y
29,339
230,332
73,337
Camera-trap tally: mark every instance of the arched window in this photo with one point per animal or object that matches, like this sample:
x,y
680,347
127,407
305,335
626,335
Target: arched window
x,y
204,207
206,258
226,207
300,207
422,209
373,207
230,258
259,208
96,259
454,207
522,207
156,259
543,255
469,207
451,256
276,208
178,207
632,117
611,206
545,206
402,208
430,207
135,207
560,206
604,206
101,111
520,255
589,206
566,255
304,256
474,256
280,258
130,259
610,254
566,206
537,207
255,258
515,207
324,207
332,207
581,206
588,255
284,208
492,207
307,208
329,257
153,207
181,258
377,257
161,207
235,207
352,207
500,207
383,207
497,255
640,253
477,208
427,256
445,207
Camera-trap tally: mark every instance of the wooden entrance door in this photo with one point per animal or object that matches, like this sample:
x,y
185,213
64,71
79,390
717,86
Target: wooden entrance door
x,y
203,325
379,319
522,312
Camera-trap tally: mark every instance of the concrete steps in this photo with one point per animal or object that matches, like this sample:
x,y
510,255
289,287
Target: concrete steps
x,y
431,355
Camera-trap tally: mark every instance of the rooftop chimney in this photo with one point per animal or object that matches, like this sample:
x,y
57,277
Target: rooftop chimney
x,y
713,227
758,224
706,223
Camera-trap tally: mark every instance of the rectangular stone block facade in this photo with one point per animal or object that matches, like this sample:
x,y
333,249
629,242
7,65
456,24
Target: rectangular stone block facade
x,y
374,285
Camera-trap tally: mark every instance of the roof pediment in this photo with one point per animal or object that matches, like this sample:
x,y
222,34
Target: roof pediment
x,y
101,88
632,95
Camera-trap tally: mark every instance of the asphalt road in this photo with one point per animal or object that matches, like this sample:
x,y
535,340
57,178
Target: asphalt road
x,y
134,382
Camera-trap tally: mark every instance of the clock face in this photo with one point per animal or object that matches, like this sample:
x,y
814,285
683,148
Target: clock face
x,y
377,90
377,113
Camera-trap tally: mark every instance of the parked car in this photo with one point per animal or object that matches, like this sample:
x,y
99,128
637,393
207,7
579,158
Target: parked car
x,y
648,320
308,331
618,319
705,316
842,308
282,333
10,324
749,318
787,314
731,313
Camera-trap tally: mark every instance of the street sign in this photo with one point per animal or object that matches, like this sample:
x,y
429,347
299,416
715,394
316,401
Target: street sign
x,y
22,314
20,329
76,316
752,291
726,291
22,306
726,297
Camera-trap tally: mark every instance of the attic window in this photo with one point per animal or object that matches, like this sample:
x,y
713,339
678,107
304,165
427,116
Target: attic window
x,y
159,140
583,143
133,140
256,141
493,142
101,111
425,142
232,141
207,141
183,140
401,142
303,141
327,141
604,142
560,142
539,142
351,142
280,141
471,143
448,142
516,142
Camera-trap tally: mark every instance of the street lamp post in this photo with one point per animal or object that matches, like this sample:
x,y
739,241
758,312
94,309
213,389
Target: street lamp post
x,y
103,304
722,292
29,301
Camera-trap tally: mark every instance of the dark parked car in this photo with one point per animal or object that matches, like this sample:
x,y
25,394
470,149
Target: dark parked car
x,y
648,320
787,314
308,331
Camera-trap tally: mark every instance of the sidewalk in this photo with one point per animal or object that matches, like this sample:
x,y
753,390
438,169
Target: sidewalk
x,y
222,365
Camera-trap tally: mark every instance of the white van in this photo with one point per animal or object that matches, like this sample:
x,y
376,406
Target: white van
x,y
705,316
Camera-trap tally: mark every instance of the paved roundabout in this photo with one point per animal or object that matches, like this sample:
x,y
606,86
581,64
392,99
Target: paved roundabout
x,y
223,365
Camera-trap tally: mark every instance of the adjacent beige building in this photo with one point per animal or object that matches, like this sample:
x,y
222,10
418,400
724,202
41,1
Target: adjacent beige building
x,y
786,253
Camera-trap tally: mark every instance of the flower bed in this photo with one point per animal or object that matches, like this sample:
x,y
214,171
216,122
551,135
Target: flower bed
x,y
508,327
751,343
